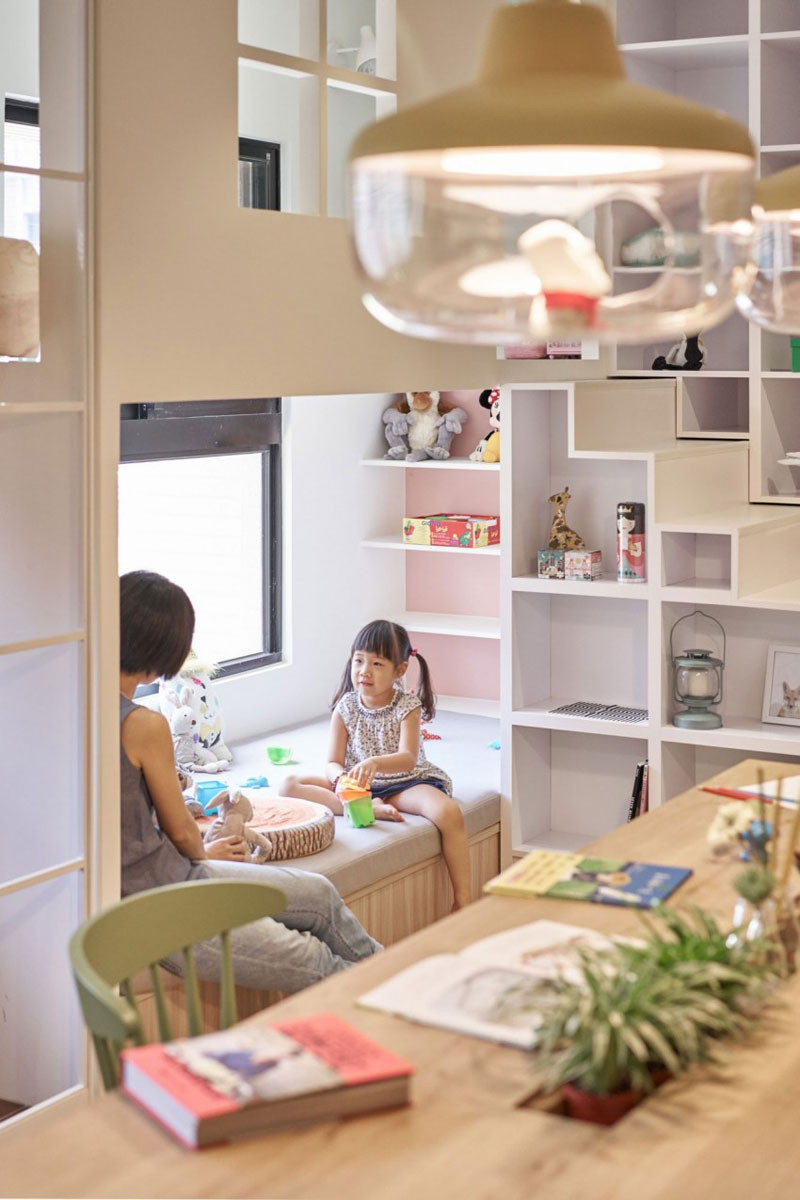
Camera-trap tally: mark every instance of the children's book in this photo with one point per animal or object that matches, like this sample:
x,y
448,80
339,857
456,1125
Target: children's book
x,y
259,1075
578,877
481,991
790,790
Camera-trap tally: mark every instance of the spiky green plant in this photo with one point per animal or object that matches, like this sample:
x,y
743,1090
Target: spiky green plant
x,y
610,1028
693,944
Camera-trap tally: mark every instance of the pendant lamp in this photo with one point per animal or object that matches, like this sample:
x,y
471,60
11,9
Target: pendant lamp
x,y
493,214
773,298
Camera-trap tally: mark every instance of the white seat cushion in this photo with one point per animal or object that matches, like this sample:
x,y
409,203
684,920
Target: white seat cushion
x,y
358,858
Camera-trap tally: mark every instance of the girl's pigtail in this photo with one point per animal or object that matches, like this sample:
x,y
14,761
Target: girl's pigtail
x,y
345,684
425,689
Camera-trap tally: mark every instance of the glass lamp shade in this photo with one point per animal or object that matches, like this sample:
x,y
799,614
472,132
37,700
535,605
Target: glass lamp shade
x,y
490,214
773,297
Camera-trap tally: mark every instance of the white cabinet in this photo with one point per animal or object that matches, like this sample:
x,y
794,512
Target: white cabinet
x,y
566,777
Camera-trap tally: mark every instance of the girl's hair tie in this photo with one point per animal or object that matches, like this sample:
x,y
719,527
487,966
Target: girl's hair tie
x,y
414,653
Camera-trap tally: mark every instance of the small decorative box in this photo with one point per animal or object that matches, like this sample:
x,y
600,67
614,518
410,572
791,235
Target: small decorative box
x,y
452,529
583,564
550,564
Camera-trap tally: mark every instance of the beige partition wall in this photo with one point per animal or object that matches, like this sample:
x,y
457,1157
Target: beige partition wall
x,y
46,860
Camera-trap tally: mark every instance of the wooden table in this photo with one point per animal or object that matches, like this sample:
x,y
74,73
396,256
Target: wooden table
x,y
733,1134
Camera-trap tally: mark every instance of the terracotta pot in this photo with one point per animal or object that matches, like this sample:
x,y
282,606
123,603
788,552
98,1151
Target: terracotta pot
x,y
601,1110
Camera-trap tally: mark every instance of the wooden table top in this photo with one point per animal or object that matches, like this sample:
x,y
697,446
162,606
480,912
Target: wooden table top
x,y
733,1133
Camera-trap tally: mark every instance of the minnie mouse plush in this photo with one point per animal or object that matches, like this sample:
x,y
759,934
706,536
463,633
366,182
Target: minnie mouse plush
x,y
488,448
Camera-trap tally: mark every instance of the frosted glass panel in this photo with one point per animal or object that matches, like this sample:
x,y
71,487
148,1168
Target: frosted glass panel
x,y
60,375
41,472
42,718
19,59
41,1038
283,107
288,26
63,74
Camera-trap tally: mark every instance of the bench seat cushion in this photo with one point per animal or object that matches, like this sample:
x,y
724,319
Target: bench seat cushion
x,y
359,858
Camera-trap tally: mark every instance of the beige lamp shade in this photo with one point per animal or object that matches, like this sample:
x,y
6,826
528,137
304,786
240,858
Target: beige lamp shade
x,y
447,195
19,298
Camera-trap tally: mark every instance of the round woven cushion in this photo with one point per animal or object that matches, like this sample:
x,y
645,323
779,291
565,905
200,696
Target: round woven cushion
x,y
295,827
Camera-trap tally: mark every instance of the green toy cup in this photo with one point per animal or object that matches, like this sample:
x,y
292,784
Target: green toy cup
x,y
359,813
279,755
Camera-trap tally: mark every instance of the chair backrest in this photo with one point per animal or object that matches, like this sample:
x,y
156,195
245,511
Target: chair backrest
x,y
107,951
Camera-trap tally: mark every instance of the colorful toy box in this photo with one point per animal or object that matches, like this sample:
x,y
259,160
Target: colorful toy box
x,y
452,529
583,564
551,564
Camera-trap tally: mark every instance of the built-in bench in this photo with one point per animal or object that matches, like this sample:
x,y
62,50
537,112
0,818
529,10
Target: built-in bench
x,y
391,874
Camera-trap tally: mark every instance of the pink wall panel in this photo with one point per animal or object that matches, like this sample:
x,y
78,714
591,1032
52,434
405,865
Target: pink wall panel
x,y
457,583
452,583
460,666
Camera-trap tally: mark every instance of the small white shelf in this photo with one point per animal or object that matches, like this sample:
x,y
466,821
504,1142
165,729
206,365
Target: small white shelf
x,y
671,374
692,53
607,586
782,148
538,716
784,596
431,464
787,36
722,435
469,706
781,374
740,733
655,269
555,839
395,542
698,591
455,624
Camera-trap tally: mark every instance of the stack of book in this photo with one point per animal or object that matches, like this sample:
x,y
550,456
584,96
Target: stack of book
x,y
640,801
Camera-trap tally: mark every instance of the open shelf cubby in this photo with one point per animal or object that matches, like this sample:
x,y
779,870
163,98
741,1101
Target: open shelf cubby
x,y
668,20
570,648
696,560
725,346
779,16
748,634
712,407
780,89
780,433
569,787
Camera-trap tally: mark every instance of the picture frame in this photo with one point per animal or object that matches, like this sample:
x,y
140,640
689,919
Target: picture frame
x,y
782,685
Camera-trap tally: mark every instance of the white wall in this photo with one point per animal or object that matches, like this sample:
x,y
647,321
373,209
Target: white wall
x,y
332,586
282,107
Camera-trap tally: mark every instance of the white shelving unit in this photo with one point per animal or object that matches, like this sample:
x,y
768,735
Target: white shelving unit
x,y
742,56
567,779
453,482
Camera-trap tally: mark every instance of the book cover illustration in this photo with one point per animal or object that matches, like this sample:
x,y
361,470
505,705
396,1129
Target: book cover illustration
x,y
255,1061
598,880
477,991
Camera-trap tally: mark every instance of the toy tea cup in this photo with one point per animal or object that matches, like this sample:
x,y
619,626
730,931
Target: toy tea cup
x,y
356,802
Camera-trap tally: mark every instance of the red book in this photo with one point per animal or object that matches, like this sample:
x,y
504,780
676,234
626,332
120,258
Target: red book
x,y
261,1075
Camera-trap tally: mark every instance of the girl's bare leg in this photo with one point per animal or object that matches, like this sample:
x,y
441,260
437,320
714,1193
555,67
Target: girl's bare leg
x,y
426,801
311,787
318,789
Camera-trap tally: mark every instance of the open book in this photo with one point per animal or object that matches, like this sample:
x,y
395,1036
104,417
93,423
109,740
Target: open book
x,y
482,990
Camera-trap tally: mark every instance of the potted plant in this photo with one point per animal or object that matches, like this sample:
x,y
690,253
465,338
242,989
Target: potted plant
x,y
624,1018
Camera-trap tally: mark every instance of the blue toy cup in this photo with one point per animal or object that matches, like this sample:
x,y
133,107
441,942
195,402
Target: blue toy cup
x,y
206,790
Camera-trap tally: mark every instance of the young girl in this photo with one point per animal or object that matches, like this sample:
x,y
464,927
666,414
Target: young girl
x,y
375,737
317,934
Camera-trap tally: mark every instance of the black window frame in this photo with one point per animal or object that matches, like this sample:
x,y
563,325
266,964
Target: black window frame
x,y
268,155
204,428
21,112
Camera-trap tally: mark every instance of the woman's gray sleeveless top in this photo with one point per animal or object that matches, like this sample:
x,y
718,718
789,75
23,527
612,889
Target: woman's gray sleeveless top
x,y
149,859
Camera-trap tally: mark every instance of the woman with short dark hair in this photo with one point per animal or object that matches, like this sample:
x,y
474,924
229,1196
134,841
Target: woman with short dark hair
x,y
317,935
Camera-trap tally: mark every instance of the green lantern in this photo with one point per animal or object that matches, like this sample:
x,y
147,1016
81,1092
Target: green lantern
x,y
697,680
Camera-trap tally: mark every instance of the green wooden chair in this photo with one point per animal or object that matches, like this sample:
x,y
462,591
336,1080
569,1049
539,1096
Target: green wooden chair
x,y
107,951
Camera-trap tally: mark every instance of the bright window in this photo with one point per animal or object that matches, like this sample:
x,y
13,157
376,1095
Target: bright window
x,y
199,502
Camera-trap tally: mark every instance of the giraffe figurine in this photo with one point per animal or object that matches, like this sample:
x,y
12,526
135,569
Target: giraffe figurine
x,y
561,536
